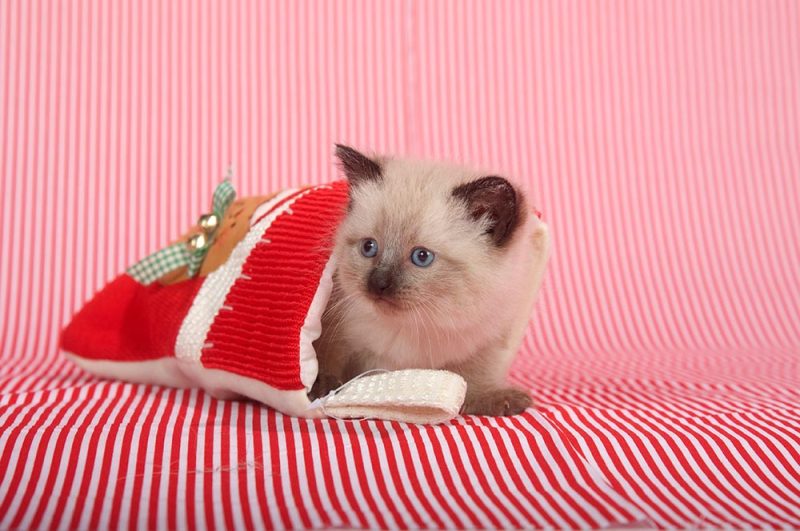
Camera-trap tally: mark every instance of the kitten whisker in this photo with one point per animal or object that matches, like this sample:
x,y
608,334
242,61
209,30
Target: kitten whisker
x,y
338,312
430,348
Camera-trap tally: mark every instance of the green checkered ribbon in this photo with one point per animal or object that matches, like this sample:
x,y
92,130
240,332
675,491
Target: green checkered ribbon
x,y
190,253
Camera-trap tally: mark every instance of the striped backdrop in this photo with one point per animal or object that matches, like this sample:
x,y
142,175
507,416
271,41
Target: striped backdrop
x,y
660,139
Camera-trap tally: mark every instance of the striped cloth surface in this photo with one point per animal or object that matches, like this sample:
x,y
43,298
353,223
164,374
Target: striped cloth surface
x,y
660,139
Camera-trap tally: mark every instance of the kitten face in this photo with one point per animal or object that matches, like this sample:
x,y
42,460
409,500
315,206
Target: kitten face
x,y
422,240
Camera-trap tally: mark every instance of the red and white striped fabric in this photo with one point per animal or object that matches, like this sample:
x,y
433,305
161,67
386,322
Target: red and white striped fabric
x,y
660,140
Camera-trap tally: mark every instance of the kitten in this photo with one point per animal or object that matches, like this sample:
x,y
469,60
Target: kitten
x,y
437,267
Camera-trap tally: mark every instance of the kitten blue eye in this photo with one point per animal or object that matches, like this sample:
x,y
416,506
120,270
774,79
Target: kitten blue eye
x,y
421,257
369,247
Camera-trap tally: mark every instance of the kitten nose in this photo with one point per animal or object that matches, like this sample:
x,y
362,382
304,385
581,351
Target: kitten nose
x,y
381,282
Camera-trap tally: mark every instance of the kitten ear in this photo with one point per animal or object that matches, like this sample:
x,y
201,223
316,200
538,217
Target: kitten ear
x,y
357,167
495,200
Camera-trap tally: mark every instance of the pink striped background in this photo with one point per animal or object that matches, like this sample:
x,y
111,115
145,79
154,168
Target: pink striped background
x,y
660,139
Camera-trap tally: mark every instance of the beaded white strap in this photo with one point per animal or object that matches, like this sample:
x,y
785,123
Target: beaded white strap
x,y
420,396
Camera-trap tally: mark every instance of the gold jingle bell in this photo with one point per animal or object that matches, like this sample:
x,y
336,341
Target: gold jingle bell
x,y
197,242
208,222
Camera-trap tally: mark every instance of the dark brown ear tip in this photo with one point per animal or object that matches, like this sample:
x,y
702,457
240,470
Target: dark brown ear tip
x,y
495,199
501,184
487,189
489,185
342,149
357,167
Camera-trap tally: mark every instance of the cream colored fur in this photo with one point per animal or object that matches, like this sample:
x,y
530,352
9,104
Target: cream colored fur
x,y
466,312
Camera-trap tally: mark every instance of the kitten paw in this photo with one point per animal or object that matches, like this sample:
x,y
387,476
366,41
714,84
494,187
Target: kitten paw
x,y
498,402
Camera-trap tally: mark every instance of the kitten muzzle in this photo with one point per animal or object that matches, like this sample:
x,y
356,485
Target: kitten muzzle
x,y
382,282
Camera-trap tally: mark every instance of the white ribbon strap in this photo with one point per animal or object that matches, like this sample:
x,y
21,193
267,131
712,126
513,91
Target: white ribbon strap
x,y
420,396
